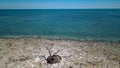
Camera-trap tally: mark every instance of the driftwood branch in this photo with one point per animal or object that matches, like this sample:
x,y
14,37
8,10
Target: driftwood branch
x,y
51,59
43,55
49,49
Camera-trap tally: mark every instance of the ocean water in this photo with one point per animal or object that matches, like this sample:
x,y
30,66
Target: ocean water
x,y
82,24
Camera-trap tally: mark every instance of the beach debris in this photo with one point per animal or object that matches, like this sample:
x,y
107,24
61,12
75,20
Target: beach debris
x,y
52,58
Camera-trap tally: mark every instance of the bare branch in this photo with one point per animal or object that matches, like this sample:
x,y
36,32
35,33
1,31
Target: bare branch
x,y
42,56
49,49
52,58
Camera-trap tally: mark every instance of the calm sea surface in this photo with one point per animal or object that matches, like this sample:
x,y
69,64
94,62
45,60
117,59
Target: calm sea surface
x,y
83,24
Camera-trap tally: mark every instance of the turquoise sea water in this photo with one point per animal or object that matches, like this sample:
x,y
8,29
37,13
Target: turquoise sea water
x,y
87,24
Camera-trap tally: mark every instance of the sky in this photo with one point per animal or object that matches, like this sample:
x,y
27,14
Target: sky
x,y
58,4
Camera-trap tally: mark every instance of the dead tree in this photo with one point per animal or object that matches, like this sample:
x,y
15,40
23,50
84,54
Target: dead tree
x,y
52,58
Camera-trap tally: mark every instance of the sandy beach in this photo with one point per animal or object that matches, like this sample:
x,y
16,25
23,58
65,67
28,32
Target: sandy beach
x,y
28,52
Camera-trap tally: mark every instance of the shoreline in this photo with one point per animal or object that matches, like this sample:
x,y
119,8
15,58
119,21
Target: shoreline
x,y
65,39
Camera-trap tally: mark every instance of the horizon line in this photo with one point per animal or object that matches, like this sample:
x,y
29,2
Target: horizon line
x,y
59,8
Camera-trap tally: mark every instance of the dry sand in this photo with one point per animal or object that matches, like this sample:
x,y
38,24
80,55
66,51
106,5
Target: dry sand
x,y
28,52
